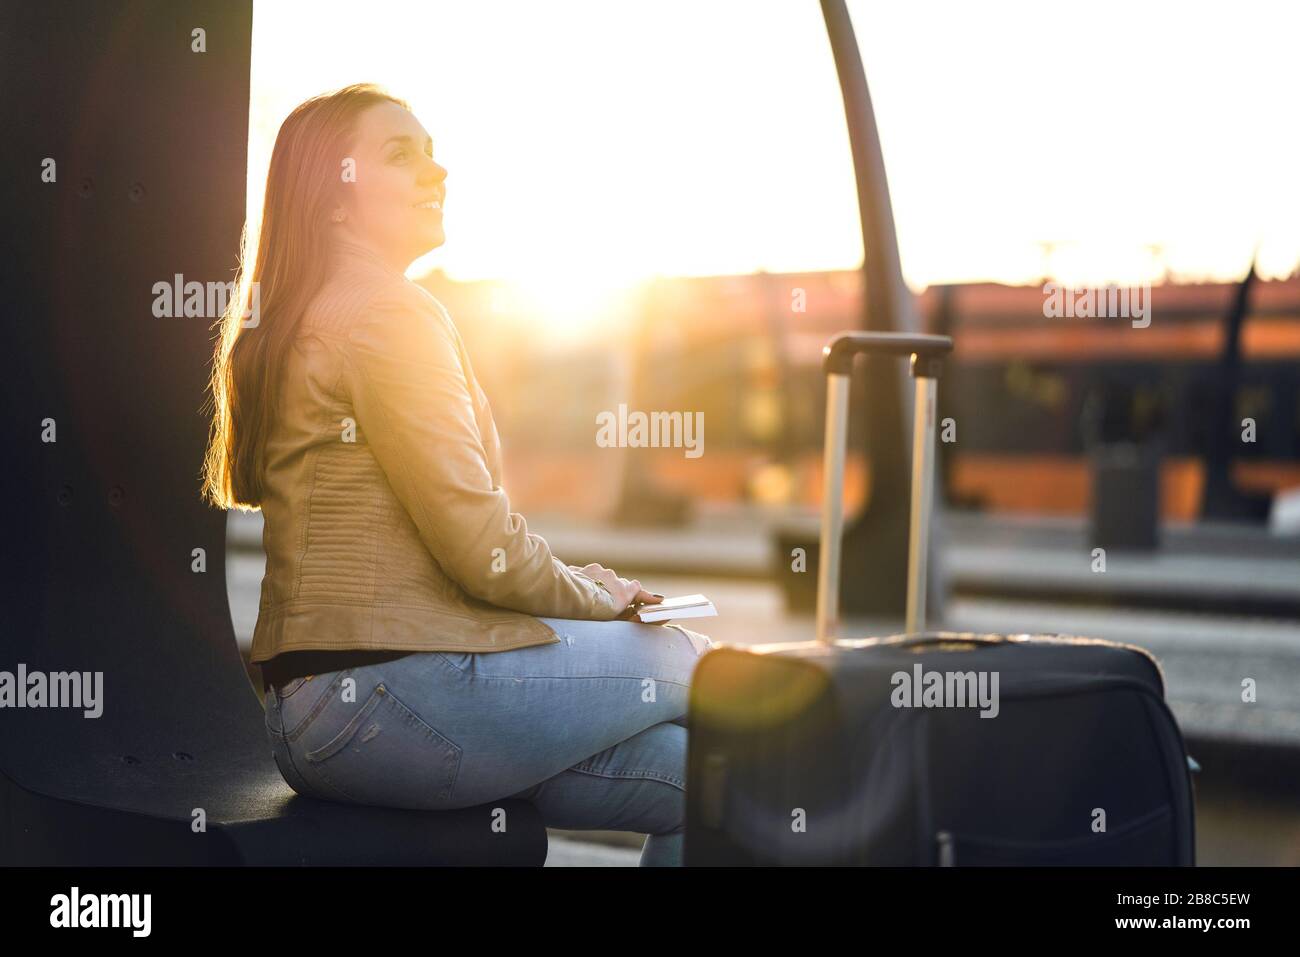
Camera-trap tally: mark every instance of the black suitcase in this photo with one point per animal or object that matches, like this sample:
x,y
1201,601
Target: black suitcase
x,y
929,748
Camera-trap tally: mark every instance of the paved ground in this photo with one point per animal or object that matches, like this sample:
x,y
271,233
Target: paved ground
x,y
1205,659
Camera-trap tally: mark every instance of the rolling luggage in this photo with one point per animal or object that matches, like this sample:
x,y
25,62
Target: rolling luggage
x,y
929,748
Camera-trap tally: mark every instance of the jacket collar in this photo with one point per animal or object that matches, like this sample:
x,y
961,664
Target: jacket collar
x,y
348,253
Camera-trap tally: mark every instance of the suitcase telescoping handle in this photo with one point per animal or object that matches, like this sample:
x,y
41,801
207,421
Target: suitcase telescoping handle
x,y
927,353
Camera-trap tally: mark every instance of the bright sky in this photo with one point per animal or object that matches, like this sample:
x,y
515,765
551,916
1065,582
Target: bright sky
x,y
592,144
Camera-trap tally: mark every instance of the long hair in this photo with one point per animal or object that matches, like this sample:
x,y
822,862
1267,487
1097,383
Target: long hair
x,y
275,286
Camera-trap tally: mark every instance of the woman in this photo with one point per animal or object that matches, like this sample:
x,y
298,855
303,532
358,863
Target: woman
x,y
421,648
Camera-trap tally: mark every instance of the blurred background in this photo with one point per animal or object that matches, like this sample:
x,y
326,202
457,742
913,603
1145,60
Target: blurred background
x,y
654,205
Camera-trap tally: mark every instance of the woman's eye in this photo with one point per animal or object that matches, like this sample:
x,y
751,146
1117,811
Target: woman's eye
x,y
400,154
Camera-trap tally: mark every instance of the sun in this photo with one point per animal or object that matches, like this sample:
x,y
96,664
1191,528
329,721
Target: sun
x,y
573,304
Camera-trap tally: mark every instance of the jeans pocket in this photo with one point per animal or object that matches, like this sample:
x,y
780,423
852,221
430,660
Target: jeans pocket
x,y
288,688
300,706
462,661
387,755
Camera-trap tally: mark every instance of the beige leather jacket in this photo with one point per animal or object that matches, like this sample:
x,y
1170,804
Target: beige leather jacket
x,y
386,526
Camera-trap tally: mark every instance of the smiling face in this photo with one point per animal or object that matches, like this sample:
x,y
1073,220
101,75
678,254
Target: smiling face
x,y
395,204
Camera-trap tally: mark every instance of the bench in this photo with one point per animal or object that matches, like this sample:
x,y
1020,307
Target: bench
x,y
182,774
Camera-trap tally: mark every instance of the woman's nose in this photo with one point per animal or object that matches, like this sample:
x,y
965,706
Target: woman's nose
x,y
433,173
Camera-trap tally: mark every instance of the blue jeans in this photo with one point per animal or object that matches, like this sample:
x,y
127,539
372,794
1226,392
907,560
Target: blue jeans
x,y
592,730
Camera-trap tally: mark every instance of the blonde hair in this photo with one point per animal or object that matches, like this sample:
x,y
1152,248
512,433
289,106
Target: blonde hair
x,y
289,266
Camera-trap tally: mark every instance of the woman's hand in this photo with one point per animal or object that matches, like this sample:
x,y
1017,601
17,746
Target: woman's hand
x,y
625,591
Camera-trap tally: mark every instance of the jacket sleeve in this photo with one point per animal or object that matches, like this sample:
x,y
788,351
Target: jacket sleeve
x,y
414,407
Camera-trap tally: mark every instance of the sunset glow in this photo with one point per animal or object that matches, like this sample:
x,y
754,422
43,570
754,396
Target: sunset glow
x,y
593,145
